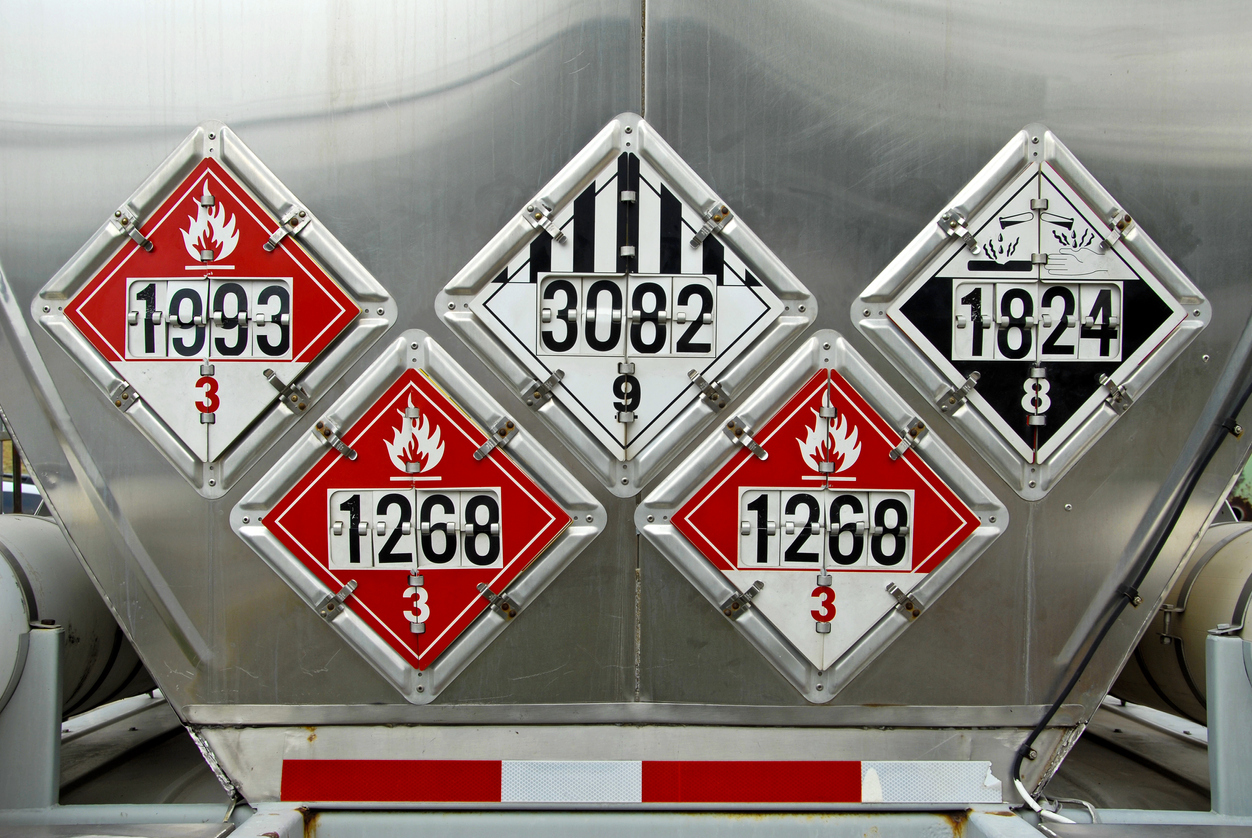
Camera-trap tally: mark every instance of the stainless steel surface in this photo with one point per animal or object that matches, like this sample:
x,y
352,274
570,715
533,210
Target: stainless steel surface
x,y
30,726
835,131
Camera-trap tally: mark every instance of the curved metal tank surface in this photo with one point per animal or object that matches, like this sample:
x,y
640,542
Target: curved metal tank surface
x,y
415,132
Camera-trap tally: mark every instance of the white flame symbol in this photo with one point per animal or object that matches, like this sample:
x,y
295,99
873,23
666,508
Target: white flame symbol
x,y
830,441
415,442
210,231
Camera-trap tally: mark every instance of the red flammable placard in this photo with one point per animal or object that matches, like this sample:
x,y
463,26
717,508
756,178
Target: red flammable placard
x,y
234,229
469,521
826,520
940,522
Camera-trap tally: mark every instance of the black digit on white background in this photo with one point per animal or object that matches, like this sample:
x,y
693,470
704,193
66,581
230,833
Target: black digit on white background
x,y
1066,296
263,342
1101,312
880,521
238,321
761,506
974,300
686,342
840,503
652,315
626,388
148,295
568,314
1016,323
793,552
444,555
194,347
386,555
475,528
615,315
353,507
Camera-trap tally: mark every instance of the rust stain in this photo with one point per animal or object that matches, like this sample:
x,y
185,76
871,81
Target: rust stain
x,y
312,733
958,821
310,821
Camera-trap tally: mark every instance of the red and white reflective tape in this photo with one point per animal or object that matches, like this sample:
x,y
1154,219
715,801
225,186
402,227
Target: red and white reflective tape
x,y
638,782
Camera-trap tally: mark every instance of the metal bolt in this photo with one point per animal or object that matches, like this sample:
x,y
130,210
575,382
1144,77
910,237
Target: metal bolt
x,y
1033,754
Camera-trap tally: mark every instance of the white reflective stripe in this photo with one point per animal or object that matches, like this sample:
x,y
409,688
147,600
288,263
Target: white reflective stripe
x,y
571,781
929,782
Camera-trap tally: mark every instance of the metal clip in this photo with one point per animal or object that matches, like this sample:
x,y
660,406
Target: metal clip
x,y
209,418
714,220
709,391
501,434
1038,258
909,439
741,602
956,396
539,216
628,196
625,368
126,219
332,606
500,603
1120,223
286,392
952,222
541,391
1233,427
415,581
1118,398
125,396
1132,595
1038,204
738,432
331,438
911,604
295,221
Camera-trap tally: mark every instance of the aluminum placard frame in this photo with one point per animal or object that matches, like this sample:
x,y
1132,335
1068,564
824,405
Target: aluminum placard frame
x,y
825,349
214,140
976,421
414,350
625,133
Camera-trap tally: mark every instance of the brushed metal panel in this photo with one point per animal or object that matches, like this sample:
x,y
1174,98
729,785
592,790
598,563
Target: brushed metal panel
x,y
837,130
414,131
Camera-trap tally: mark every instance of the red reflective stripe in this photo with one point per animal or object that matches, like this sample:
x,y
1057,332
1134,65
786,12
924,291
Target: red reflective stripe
x,y
752,782
436,780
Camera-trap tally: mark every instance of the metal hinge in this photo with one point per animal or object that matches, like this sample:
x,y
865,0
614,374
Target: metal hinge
x,y
741,602
1120,223
500,603
126,219
952,222
1118,398
714,220
956,396
738,432
504,430
911,436
709,391
286,392
293,223
332,606
911,604
125,396
540,391
331,437
539,216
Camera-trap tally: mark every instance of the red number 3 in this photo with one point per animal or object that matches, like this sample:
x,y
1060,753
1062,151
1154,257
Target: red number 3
x,y
211,401
828,604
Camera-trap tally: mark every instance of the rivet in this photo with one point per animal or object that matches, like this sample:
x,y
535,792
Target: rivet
x,y
1196,312
45,308
1034,140
825,346
212,136
117,214
628,129
1069,507
380,311
650,519
1031,484
508,425
420,688
530,208
212,482
245,519
992,519
625,480
819,687
412,346
865,312
302,213
451,306
589,519
802,309
1204,358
